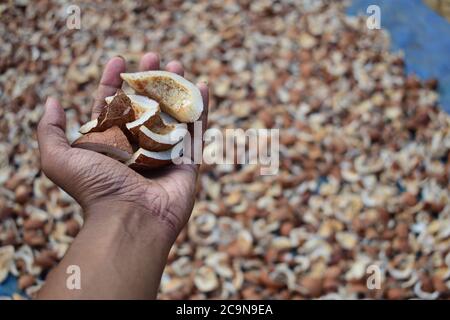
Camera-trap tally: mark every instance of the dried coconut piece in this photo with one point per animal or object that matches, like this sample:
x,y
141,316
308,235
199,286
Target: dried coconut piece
x,y
25,254
206,279
140,104
6,260
177,96
144,159
111,142
145,111
419,292
263,73
160,134
25,281
117,113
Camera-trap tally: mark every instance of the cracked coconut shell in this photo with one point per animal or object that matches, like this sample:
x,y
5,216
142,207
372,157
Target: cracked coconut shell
x,y
117,113
112,143
144,159
176,96
161,133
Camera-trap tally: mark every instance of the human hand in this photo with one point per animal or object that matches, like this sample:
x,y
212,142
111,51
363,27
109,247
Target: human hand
x,y
131,220
99,183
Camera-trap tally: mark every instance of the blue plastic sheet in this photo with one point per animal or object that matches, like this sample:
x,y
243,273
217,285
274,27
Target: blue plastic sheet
x,y
421,33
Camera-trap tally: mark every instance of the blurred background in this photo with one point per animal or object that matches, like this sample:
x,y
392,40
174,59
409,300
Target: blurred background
x,y
365,139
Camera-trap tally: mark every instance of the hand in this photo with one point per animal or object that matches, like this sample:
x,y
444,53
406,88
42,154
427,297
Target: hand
x,y
94,180
131,220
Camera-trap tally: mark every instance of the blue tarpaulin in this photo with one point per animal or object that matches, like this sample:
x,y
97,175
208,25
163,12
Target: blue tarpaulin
x,y
422,34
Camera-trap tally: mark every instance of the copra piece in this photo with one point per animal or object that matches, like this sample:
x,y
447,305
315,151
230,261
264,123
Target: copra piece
x,y
177,96
145,110
6,259
143,158
161,134
144,130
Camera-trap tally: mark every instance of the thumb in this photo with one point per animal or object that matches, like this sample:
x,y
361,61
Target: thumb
x,y
52,138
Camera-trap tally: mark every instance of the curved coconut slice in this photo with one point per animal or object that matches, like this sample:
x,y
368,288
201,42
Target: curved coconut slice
x,y
144,159
117,113
167,119
177,96
111,142
159,136
146,118
140,104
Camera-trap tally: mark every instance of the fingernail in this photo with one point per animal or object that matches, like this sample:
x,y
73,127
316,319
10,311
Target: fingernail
x,y
121,57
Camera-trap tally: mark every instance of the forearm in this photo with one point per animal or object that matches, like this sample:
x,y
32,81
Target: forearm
x,y
121,253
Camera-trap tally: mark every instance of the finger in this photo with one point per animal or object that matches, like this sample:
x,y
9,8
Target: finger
x,y
52,139
109,84
203,87
175,67
150,61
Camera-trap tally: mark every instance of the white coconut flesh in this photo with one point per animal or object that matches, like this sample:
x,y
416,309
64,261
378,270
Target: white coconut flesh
x,y
167,119
177,96
141,120
110,151
170,135
88,126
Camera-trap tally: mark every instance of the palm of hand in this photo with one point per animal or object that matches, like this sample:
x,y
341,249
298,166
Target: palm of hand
x,y
167,194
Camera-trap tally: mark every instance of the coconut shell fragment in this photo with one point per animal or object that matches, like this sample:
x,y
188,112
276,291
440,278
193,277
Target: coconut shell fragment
x,y
146,119
176,96
144,159
131,122
112,143
117,113
144,109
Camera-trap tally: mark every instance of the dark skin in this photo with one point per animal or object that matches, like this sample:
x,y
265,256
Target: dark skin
x,y
131,220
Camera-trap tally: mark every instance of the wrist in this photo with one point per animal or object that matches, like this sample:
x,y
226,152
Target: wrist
x,y
118,248
125,220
